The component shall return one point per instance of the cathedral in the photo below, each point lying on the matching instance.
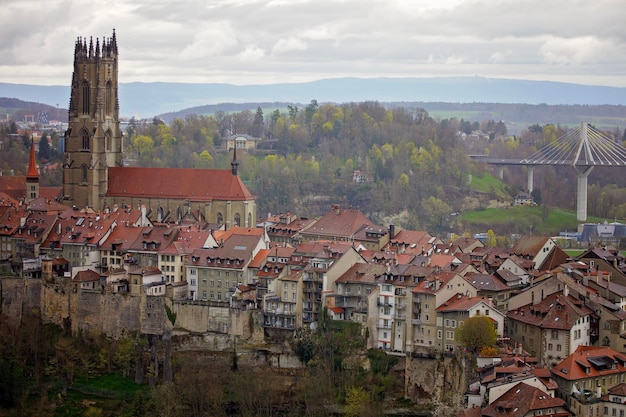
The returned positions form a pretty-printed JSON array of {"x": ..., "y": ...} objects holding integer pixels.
[{"x": 95, "y": 178}]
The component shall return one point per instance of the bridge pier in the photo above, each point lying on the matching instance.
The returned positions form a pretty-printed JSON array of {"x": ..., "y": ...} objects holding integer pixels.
[
  {"x": 531, "y": 176},
  {"x": 501, "y": 171},
  {"x": 581, "y": 195}
]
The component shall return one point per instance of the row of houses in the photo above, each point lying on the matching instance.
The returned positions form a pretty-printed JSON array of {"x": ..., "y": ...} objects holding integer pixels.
[{"x": 409, "y": 289}]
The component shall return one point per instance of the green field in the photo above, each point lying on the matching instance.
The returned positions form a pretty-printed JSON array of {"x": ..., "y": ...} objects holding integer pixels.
[
  {"x": 487, "y": 183},
  {"x": 522, "y": 220}
]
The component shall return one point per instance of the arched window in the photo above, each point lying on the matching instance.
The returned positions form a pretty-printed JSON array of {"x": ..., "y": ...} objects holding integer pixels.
[
  {"x": 85, "y": 94},
  {"x": 220, "y": 218},
  {"x": 107, "y": 140},
  {"x": 237, "y": 219},
  {"x": 606, "y": 341},
  {"x": 249, "y": 220},
  {"x": 179, "y": 214},
  {"x": 83, "y": 173},
  {"x": 108, "y": 98},
  {"x": 85, "y": 145}
]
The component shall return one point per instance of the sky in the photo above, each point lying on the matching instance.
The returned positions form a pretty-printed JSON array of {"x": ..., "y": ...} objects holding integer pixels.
[{"x": 248, "y": 42}]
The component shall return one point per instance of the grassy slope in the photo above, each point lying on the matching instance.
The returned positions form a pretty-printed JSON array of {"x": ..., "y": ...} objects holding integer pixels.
[{"x": 516, "y": 219}]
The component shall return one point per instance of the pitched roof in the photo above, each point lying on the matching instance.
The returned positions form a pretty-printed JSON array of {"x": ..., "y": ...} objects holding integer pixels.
[
  {"x": 521, "y": 400},
  {"x": 460, "y": 302},
  {"x": 529, "y": 245},
  {"x": 194, "y": 184},
  {"x": 556, "y": 311},
  {"x": 87, "y": 275},
  {"x": 339, "y": 222},
  {"x": 590, "y": 362}
]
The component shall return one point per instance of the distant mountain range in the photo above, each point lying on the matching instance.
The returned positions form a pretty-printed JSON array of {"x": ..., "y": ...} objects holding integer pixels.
[{"x": 145, "y": 100}]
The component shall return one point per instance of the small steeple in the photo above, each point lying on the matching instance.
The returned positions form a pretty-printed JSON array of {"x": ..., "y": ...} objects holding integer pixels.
[
  {"x": 32, "y": 173},
  {"x": 234, "y": 165}
]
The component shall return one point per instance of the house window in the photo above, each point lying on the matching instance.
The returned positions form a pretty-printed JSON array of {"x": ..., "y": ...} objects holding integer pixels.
[{"x": 554, "y": 334}]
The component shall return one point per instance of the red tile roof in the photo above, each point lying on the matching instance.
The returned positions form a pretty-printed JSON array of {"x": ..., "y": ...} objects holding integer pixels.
[
  {"x": 590, "y": 362},
  {"x": 339, "y": 223},
  {"x": 521, "y": 400},
  {"x": 194, "y": 184},
  {"x": 556, "y": 311}
]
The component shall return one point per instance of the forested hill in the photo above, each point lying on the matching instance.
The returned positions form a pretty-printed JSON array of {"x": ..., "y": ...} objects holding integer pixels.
[
  {"x": 145, "y": 100},
  {"x": 522, "y": 115}
]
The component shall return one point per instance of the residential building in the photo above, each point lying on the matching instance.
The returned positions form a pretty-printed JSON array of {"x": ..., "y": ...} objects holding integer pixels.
[
  {"x": 587, "y": 374},
  {"x": 552, "y": 328},
  {"x": 455, "y": 311},
  {"x": 347, "y": 225},
  {"x": 427, "y": 296},
  {"x": 523, "y": 400}
]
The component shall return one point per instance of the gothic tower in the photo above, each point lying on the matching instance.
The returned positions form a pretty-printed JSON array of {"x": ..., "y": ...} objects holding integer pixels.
[{"x": 93, "y": 140}]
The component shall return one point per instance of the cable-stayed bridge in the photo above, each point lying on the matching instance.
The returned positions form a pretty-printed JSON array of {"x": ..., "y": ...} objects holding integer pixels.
[{"x": 582, "y": 148}]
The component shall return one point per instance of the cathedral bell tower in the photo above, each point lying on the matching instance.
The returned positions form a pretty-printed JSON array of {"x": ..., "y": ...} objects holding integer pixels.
[{"x": 93, "y": 140}]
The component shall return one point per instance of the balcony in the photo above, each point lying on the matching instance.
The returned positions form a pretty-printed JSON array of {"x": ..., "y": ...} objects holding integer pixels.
[
  {"x": 400, "y": 306},
  {"x": 383, "y": 326},
  {"x": 416, "y": 322},
  {"x": 400, "y": 316},
  {"x": 278, "y": 325}
]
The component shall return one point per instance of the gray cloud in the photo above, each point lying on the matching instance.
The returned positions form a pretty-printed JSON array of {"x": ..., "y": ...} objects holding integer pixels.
[{"x": 258, "y": 42}]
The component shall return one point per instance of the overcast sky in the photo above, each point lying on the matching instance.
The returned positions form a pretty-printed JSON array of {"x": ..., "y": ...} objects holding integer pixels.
[{"x": 270, "y": 41}]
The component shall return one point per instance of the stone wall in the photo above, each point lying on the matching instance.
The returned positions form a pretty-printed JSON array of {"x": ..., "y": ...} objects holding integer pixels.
[
  {"x": 118, "y": 315},
  {"x": 438, "y": 379}
]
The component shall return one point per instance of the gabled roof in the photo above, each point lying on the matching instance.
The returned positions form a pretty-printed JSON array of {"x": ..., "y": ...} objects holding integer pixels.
[
  {"x": 557, "y": 257},
  {"x": 529, "y": 245},
  {"x": 342, "y": 223},
  {"x": 619, "y": 390},
  {"x": 461, "y": 302},
  {"x": 521, "y": 400},
  {"x": 362, "y": 273},
  {"x": 194, "y": 184},
  {"x": 556, "y": 311},
  {"x": 589, "y": 362},
  {"x": 121, "y": 238},
  {"x": 466, "y": 244},
  {"x": 86, "y": 276},
  {"x": 486, "y": 282}
]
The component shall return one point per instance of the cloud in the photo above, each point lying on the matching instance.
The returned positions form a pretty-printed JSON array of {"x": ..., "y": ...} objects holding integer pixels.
[{"x": 209, "y": 40}]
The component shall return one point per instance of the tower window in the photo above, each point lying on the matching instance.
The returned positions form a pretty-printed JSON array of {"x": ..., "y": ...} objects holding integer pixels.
[
  {"x": 107, "y": 140},
  {"x": 220, "y": 218},
  {"x": 108, "y": 105},
  {"x": 85, "y": 97},
  {"x": 85, "y": 140},
  {"x": 237, "y": 220},
  {"x": 83, "y": 172}
]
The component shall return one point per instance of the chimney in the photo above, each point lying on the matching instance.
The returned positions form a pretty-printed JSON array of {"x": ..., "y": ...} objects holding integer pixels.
[{"x": 392, "y": 231}]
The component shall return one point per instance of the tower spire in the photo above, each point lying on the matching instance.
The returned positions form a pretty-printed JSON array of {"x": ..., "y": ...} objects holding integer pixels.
[
  {"x": 32, "y": 163},
  {"x": 234, "y": 165}
]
